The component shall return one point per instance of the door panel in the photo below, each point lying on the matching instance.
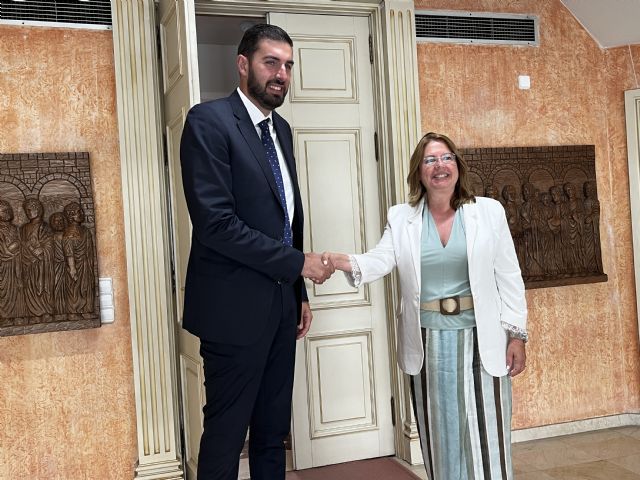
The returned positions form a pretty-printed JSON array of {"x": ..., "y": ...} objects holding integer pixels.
[
  {"x": 329, "y": 161},
  {"x": 342, "y": 389},
  {"x": 313, "y": 82},
  {"x": 337, "y": 403},
  {"x": 181, "y": 90}
]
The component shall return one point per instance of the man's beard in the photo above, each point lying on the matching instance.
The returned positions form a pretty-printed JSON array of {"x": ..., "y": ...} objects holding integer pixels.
[{"x": 266, "y": 100}]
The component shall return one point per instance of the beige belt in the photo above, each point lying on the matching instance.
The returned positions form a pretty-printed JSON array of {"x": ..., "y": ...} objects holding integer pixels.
[{"x": 448, "y": 306}]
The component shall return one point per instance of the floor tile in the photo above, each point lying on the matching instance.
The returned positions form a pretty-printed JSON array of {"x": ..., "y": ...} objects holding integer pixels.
[
  {"x": 611, "y": 454},
  {"x": 592, "y": 437},
  {"x": 520, "y": 466},
  {"x": 600, "y": 470},
  {"x": 547, "y": 457},
  {"x": 632, "y": 431},
  {"x": 630, "y": 462},
  {"x": 620, "y": 446},
  {"x": 627, "y": 430},
  {"x": 530, "y": 445},
  {"x": 533, "y": 476}
]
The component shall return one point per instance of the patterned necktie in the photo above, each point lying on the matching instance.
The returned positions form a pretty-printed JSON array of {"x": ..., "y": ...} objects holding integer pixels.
[{"x": 272, "y": 157}]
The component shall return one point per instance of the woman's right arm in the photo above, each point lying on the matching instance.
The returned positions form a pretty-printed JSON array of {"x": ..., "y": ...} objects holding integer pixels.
[
  {"x": 369, "y": 266},
  {"x": 340, "y": 261}
]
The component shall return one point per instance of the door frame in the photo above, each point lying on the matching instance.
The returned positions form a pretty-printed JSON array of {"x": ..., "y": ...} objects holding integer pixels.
[
  {"x": 632, "y": 110},
  {"x": 148, "y": 249}
]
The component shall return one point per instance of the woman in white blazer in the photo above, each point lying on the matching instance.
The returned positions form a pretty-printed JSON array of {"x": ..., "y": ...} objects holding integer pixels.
[{"x": 462, "y": 314}]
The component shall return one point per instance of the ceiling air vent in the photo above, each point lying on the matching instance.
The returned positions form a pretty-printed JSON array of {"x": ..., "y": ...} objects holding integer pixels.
[
  {"x": 470, "y": 27},
  {"x": 86, "y": 13}
]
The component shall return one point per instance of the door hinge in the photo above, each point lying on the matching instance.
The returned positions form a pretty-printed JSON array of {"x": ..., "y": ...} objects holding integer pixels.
[
  {"x": 393, "y": 411},
  {"x": 167, "y": 177},
  {"x": 376, "y": 149},
  {"x": 173, "y": 276},
  {"x": 158, "y": 42},
  {"x": 183, "y": 449},
  {"x": 371, "y": 49},
  {"x": 165, "y": 153}
]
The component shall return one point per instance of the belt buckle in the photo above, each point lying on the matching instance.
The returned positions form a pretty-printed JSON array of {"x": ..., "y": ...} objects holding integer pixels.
[{"x": 450, "y": 305}]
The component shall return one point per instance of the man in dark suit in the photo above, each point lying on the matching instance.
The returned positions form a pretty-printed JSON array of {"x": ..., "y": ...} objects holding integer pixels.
[{"x": 244, "y": 290}]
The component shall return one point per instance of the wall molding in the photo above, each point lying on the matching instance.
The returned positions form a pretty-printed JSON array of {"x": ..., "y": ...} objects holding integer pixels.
[
  {"x": 147, "y": 242},
  {"x": 578, "y": 426},
  {"x": 632, "y": 109},
  {"x": 398, "y": 73}
]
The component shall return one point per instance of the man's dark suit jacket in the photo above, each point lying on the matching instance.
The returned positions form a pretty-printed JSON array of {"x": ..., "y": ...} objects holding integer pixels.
[{"x": 237, "y": 258}]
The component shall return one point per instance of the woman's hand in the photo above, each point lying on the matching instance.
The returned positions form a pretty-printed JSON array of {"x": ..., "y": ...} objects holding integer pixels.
[
  {"x": 516, "y": 356},
  {"x": 340, "y": 261}
]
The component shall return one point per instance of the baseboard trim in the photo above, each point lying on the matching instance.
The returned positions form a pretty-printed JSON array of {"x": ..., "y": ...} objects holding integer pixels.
[{"x": 578, "y": 426}]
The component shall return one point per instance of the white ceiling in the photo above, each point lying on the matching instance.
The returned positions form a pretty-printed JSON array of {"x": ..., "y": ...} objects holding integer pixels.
[{"x": 611, "y": 23}]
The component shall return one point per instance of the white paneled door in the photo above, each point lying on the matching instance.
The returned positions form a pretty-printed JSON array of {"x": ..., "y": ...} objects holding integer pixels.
[
  {"x": 342, "y": 387},
  {"x": 181, "y": 90}
]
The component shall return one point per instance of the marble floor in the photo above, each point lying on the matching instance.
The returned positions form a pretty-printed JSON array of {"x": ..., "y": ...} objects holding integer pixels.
[{"x": 611, "y": 454}]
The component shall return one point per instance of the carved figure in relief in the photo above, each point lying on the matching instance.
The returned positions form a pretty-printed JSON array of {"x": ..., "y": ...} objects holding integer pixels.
[
  {"x": 37, "y": 260},
  {"x": 10, "y": 271},
  {"x": 510, "y": 207},
  {"x": 530, "y": 242},
  {"x": 77, "y": 244},
  {"x": 492, "y": 192},
  {"x": 555, "y": 225},
  {"x": 511, "y": 211},
  {"x": 545, "y": 235},
  {"x": 58, "y": 223},
  {"x": 572, "y": 229},
  {"x": 591, "y": 237}
]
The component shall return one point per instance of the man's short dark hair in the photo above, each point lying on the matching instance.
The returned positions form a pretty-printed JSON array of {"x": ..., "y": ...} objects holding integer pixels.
[{"x": 261, "y": 31}]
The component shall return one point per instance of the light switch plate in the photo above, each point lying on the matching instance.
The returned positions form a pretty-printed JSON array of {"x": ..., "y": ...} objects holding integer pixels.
[{"x": 105, "y": 289}]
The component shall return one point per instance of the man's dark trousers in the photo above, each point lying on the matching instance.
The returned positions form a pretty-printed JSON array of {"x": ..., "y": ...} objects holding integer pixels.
[{"x": 250, "y": 385}]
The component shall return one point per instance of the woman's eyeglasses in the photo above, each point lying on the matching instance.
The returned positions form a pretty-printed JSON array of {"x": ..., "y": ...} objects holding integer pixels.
[{"x": 445, "y": 158}]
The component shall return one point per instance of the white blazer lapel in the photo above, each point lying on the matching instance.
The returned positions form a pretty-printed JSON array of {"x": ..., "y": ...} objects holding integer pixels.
[
  {"x": 414, "y": 234},
  {"x": 470, "y": 213}
]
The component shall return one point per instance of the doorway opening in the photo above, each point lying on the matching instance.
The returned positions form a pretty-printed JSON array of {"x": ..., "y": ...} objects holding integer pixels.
[
  {"x": 342, "y": 391},
  {"x": 218, "y": 38}
]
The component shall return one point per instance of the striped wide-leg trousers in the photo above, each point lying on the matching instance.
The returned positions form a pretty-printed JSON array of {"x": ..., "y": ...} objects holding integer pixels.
[{"x": 463, "y": 413}]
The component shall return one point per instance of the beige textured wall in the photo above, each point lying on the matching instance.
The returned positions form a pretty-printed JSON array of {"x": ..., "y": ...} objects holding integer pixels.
[
  {"x": 583, "y": 354},
  {"x": 634, "y": 52},
  {"x": 67, "y": 402}
]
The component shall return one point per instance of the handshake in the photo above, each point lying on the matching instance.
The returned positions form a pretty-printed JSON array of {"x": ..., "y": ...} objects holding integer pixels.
[{"x": 319, "y": 267}]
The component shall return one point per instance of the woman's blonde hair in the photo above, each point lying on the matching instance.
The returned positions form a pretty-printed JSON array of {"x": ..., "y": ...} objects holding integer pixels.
[{"x": 462, "y": 192}]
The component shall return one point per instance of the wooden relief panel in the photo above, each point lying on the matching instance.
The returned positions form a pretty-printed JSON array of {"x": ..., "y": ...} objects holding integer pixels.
[
  {"x": 551, "y": 202},
  {"x": 48, "y": 264}
]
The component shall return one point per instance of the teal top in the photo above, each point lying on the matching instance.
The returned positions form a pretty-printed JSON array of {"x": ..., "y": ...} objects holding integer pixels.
[{"x": 445, "y": 272}]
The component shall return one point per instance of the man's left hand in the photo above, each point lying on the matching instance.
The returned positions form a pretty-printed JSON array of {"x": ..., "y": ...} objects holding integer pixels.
[{"x": 305, "y": 320}]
